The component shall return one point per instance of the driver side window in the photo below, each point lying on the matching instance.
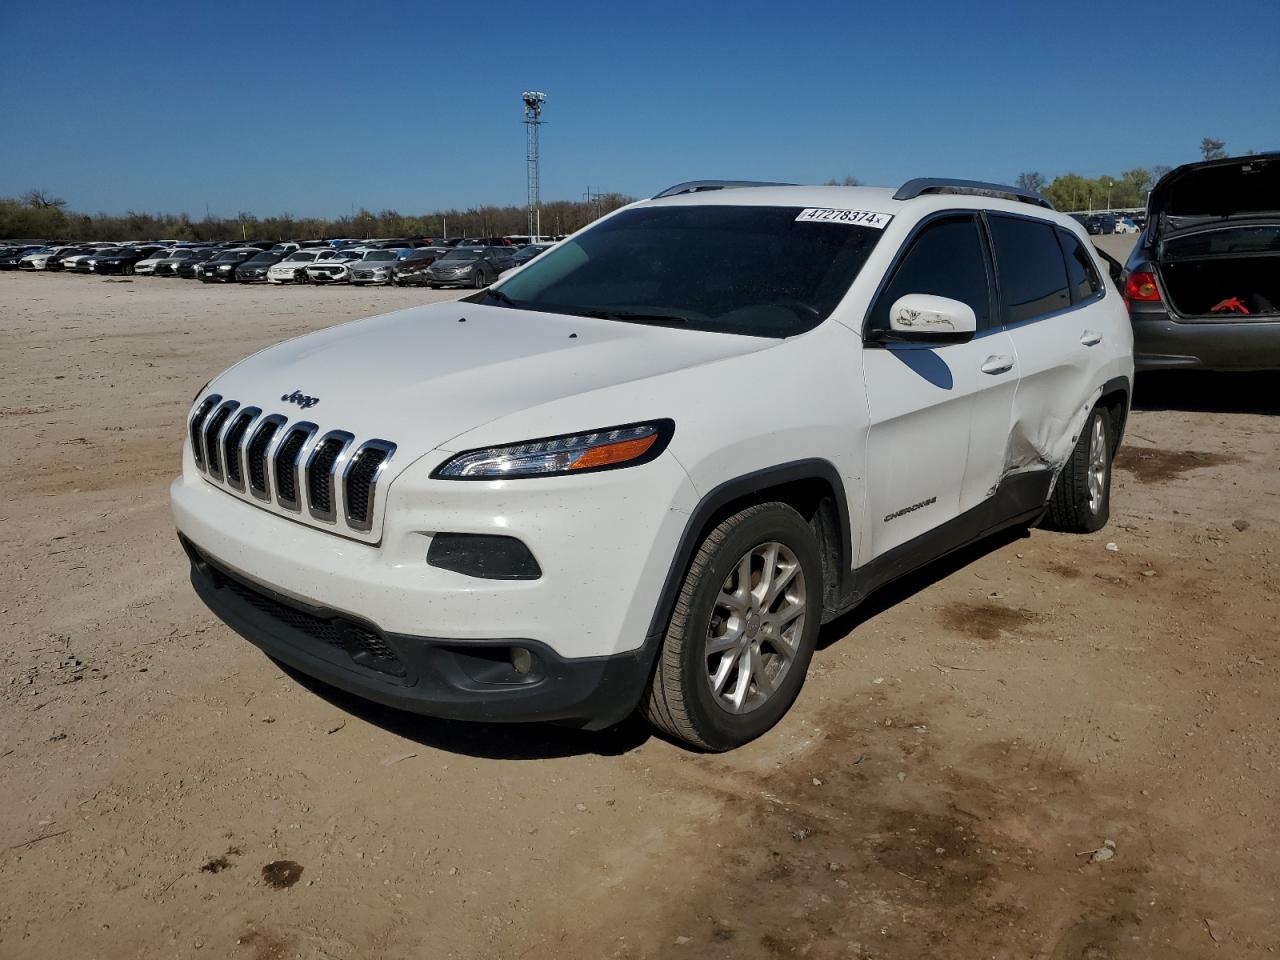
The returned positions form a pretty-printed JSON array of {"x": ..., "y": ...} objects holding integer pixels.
[{"x": 947, "y": 259}]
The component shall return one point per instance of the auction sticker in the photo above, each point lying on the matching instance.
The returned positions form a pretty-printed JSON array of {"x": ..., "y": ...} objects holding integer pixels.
[{"x": 854, "y": 218}]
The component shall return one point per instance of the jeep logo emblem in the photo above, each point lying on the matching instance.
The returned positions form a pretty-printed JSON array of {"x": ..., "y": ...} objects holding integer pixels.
[{"x": 301, "y": 399}]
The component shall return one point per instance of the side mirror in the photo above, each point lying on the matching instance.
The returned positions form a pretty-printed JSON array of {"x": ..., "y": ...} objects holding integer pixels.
[{"x": 925, "y": 318}]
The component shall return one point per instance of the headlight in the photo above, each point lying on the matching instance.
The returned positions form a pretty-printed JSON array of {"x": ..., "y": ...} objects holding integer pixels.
[{"x": 607, "y": 449}]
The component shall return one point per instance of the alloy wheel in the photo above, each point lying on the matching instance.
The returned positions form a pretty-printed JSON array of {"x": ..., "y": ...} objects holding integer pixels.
[
  {"x": 755, "y": 629},
  {"x": 1097, "y": 464}
]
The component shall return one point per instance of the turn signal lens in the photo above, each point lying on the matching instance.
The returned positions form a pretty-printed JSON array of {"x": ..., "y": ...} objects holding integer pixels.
[
  {"x": 1141, "y": 286},
  {"x": 612, "y": 453},
  {"x": 575, "y": 453}
]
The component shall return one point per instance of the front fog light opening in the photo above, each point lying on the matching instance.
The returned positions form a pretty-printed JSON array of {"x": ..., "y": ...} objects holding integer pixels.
[
  {"x": 521, "y": 660},
  {"x": 485, "y": 556}
]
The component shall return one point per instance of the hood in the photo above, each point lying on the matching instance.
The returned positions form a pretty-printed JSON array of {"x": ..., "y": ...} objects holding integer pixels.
[
  {"x": 420, "y": 377},
  {"x": 1199, "y": 193}
]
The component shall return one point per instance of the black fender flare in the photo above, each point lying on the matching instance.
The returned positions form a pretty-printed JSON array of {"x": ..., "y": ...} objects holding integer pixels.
[{"x": 740, "y": 488}]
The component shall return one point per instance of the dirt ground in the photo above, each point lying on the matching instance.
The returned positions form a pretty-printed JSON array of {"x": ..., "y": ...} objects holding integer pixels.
[{"x": 961, "y": 745}]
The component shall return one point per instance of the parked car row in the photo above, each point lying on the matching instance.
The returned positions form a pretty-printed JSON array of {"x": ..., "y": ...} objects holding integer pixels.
[
  {"x": 473, "y": 262},
  {"x": 1097, "y": 224}
]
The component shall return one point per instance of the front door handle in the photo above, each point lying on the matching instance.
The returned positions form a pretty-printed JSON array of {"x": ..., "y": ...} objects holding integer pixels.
[
  {"x": 1091, "y": 338},
  {"x": 997, "y": 364}
]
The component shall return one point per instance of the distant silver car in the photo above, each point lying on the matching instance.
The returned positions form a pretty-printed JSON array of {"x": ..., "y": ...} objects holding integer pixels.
[{"x": 374, "y": 267}]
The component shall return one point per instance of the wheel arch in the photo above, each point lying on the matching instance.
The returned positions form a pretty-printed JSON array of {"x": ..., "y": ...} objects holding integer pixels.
[
  {"x": 1115, "y": 399},
  {"x": 812, "y": 487}
]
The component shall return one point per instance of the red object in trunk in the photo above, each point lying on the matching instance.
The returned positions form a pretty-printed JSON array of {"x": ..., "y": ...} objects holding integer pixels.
[{"x": 1230, "y": 305}]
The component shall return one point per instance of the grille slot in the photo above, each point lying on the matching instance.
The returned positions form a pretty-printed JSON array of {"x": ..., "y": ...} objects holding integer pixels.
[
  {"x": 212, "y": 430},
  {"x": 286, "y": 464},
  {"x": 256, "y": 454},
  {"x": 197, "y": 424},
  {"x": 360, "y": 481},
  {"x": 233, "y": 463},
  {"x": 321, "y": 468}
]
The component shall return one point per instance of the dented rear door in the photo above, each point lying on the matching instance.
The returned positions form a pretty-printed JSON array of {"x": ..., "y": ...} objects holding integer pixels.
[{"x": 1050, "y": 297}]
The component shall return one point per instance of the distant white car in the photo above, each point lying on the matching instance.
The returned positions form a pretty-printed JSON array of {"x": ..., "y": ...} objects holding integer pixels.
[
  {"x": 40, "y": 259},
  {"x": 335, "y": 269},
  {"x": 292, "y": 269},
  {"x": 76, "y": 264},
  {"x": 148, "y": 265},
  {"x": 1125, "y": 225}
]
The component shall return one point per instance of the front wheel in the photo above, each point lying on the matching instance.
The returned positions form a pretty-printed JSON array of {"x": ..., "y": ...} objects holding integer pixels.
[
  {"x": 479, "y": 281},
  {"x": 1081, "y": 501},
  {"x": 742, "y": 633},
  {"x": 127, "y": 269}
]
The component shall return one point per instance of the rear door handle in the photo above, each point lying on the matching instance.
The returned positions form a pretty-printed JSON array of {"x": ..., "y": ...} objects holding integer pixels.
[
  {"x": 1091, "y": 338},
  {"x": 997, "y": 365}
]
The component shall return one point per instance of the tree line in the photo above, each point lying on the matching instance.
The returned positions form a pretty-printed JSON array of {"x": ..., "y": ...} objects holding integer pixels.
[
  {"x": 1070, "y": 191},
  {"x": 39, "y": 214}
]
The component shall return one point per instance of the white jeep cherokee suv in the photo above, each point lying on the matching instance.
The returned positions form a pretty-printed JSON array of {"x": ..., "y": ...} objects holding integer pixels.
[{"x": 642, "y": 470}]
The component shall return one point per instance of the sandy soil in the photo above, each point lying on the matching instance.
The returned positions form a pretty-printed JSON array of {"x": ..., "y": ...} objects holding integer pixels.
[{"x": 961, "y": 744}]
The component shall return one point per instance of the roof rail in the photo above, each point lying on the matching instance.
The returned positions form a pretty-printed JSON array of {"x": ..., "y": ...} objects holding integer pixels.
[
  {"x": 914, "y": 188},
  {"x": 698, "y": 186}
]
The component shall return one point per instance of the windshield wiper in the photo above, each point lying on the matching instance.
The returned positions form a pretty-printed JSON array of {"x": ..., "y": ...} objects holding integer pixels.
[
  {"x": 500, "y": 297},
  {"x": 635, "y": 316}
]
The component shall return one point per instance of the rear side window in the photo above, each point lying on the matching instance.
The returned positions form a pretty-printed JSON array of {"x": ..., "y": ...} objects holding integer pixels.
[
  {"x": 946, "y": 259},
  {"x": 1081, "y": 274},
  {"x": 1033, "y": 277}
]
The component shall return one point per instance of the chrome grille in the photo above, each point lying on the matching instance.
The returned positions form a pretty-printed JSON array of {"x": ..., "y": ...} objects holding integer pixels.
[
  {"x": 197, "y": 425},
  {"x": 360, "y": 480},
  {"x": 256, "y": 455},
  {"x": 212, "y": 431},
  {"x": 232, "y": 454},
  {"x": 286, "y": 464},
  {"x": 321, "y": 467}
]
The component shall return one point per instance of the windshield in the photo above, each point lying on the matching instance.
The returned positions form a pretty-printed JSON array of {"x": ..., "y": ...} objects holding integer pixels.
[
  {"x": 380, "y": 255},
  {"x": 471, "y": 253},
  {"x": 263, "y": 258},
  {"x": 759, "y": 271},
  {"x": 300, "y": 257}
]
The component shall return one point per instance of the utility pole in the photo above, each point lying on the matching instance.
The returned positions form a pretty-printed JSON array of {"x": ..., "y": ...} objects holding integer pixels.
[{"x": 533, "y": 100}]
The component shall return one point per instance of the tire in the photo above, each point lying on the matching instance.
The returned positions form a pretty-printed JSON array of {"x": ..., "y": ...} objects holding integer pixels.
[
  {"x": 127, "y": 269},
  {"x": 478, "y": 282},
  {"x": 682, "y": 699},
  {"x": 1081, "y": 501}
]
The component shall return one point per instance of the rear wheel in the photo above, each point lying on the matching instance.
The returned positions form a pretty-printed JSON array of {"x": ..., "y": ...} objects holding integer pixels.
[
  {"x": 1081, "y": 501},
  {"x": 742, "y": 633}
]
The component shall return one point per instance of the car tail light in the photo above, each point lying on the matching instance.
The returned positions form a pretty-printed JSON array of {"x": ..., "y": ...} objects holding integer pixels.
[{"x": 1141, "y": 286}]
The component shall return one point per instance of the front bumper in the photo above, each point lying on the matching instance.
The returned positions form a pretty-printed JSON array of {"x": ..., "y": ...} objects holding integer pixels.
[
  {"x": 440, "y": 678},
  {"x": 1162, "y": 343},
  {"x": 604, "y": 542}
]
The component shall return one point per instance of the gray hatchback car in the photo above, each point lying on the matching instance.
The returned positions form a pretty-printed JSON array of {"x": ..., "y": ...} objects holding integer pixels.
[{"x": 1203, "y": 282}]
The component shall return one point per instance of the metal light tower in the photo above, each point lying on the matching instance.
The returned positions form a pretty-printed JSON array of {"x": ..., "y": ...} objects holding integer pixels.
[{"x": 533, "y": 100}]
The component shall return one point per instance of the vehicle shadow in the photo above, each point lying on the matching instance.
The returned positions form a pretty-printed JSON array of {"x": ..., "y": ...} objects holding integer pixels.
[
  {"x": 903, "y": 588},
  {"x": 1199, "y": 391},
  {"x": 490, "y": 741}
]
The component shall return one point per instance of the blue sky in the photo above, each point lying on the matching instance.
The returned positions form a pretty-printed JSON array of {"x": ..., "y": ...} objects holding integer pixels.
[{"x": 310, "y": 107}]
